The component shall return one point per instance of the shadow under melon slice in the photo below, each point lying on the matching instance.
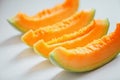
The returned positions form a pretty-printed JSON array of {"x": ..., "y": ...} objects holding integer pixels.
[
  {"x": 66, "y": 26},
  {"x": 99, "y": 28},
  {"x": 24, "y": 22},
  {"x": 91, "y": 56}
]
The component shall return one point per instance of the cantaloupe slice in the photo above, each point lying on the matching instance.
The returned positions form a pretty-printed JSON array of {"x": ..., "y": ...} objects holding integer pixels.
[
  {"x": 99, "y": 28},
  {"x": 66, "y": 26},
  {"x": 46, "y": 17},
  {"x": 95, "y": 54}
]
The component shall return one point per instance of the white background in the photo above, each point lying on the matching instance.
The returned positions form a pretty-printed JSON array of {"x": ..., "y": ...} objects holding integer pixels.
[{"x": 19, "y": 62}]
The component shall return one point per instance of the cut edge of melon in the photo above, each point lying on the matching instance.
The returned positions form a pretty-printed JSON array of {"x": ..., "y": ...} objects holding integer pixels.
[{"x": 12, "y": 22}]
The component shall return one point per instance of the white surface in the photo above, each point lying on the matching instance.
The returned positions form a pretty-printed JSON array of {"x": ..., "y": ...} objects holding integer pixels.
[{"x": 19, "y": 62}]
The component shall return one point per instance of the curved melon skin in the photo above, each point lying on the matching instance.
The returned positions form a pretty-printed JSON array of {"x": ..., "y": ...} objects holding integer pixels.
[
  {"x": 90, "y": 57},
  {"x": 66, "y": 26},
  {"x": 23, "y": 22},
  {"x": 98, "y": 29}
]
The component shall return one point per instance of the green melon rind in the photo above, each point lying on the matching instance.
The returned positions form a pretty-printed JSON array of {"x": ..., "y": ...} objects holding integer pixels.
[
  {"x": 55, "y": 61},
  {"x": 12, "y": 22}
]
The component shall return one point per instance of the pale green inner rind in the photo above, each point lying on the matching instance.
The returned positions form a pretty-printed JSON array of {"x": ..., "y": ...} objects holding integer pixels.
[
  {"x": 92, "y": 17},
  {"x": 15, "y": 25},
  {"x": 107, "y": 23},
  {"x": 56, "y": 61},
  {"x": 93, "y": 13}
]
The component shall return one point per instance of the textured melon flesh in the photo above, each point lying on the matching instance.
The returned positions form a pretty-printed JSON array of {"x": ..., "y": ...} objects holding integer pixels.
[
  {"x": 46, "y": 17},
  {"x": 65, "y": 37},
  {"x": 89, "y": 57},
  {"x": 99, "y": 28},
  {"x": 66, "y": 26}
]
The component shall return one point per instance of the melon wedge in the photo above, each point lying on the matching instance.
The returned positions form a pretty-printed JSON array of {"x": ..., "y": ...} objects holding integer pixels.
[
  {"x": 98, "y": 29},
  {"x": 87, "y": 58},
  {"x": 66, "y": 26},
  {"x": 23, "y": 22}
]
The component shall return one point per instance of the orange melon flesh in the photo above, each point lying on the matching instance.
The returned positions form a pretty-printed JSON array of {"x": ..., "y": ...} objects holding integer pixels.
[
  {"x": 66, "y": 26},
  {"x": 46, "y": 17},
  {"x": 98, "y": 29},
  {"x": 92, "y": 56},
  {"x": 65, "y": 37}
]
